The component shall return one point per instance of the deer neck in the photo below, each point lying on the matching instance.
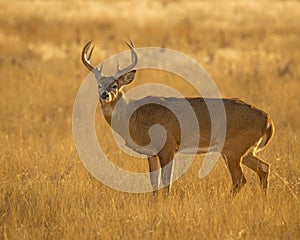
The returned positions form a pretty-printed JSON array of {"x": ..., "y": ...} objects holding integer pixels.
[{"x": 108, "y": 108}]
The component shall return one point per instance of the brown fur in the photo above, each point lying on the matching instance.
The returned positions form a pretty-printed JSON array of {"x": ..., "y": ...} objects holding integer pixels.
[{"x": 248, "y": 129}]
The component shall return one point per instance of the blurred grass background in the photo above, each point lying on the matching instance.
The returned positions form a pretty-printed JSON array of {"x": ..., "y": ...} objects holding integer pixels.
[{"x": 251, "y": 50}]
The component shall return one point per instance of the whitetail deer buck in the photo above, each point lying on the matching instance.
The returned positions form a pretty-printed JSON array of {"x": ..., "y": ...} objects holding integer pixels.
[{"x": 248, "y": 129}]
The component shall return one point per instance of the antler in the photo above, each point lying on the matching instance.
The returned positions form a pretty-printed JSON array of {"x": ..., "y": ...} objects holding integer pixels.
[
  {"x": 86, "y": 59},
  {"x": 134, "y": 60}
]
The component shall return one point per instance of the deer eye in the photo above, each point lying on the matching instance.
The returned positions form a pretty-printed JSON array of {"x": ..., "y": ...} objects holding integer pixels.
[{"x": 115, "y": 86}]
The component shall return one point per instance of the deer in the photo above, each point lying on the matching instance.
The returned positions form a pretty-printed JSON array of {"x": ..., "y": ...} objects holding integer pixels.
[{"x": 248, "y": 129}]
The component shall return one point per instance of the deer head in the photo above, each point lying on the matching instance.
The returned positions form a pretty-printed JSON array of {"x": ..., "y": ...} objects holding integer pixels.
[{"x": 110, "y": 86}]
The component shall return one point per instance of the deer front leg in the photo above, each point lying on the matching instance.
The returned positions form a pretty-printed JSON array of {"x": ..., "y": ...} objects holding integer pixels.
[
  {"x": 166, "y": 162},
  {"x": 154, "y": 168}
]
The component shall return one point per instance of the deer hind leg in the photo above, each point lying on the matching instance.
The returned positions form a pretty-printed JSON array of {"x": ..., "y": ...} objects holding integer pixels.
[
  {"x": 235, "y": 170},
  {"x": 259, "y": 166},
  {"x": 166, "y": 162},
  {"x": 154, "y": 168}
]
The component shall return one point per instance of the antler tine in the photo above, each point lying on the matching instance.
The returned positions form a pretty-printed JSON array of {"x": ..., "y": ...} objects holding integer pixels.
[
  {"x": 130, "y": 42},
  {"x": 118, "y": 65},
  {"x": 100, "y": 69},
  {"x": 84, "y": 58},
  {"x": 134, "y": 60},
  {"x": 91, "y": 52}
]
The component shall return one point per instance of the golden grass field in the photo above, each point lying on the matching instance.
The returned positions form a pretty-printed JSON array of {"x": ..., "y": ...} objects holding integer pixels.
[{"x": 251, "y": 49}]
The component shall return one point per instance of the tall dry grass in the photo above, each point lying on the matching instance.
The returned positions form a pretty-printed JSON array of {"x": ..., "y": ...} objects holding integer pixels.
[{"x": 250, "y": 48}]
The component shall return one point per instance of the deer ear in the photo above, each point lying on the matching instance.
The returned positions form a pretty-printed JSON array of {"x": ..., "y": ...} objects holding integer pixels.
[{"x": 126, "y": 78}]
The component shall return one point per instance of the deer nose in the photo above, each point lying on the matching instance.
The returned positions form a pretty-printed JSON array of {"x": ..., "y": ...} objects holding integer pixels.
[{"x": 104, "y": 94}]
